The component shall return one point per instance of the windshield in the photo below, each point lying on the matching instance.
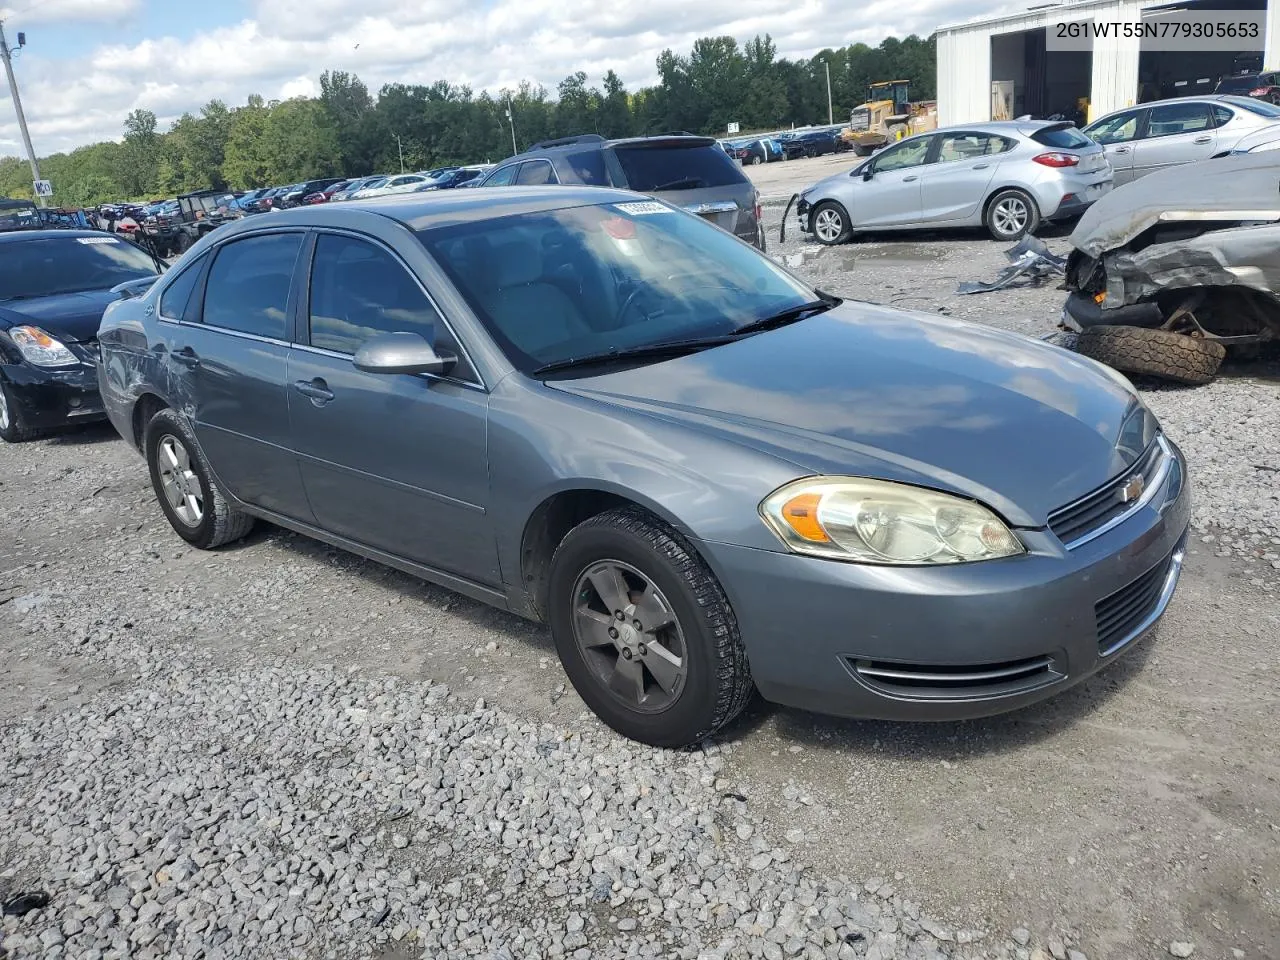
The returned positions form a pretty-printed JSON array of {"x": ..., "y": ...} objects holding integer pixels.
[
  {"x": 1260, "y": 107},
  {"x": 559, "y": 284},
  {"x": 47, "y": 267},
  {"x": 652, "y": 168}
]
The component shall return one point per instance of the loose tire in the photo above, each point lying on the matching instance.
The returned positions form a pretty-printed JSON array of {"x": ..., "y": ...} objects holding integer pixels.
[
  {"x": 670, "y": 682},
  {"x": 1159, "y": 353},
  {"x": 1011, "y": 215},
  {"x": 830, "y": 223},
  {"x": 182, "y": 243},
  {"x": 191, "y": 501},
  {"x": 12, "y": 429}
]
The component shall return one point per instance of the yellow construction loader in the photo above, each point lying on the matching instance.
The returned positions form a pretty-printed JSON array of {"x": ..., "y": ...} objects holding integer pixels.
[{"x": 888, "y": 115}]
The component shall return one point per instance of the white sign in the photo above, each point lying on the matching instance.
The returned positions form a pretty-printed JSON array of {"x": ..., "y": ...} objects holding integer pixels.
[
  {"x": 734, "y": 128},
  {"x": 43, "y": 188},
  {"x": 92, "y": 241},
  {"x": 643, "y": 208}
]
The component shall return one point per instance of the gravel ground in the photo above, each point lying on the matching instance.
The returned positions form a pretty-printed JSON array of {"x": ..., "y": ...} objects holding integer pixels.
[{"x": 278, "y": 750}]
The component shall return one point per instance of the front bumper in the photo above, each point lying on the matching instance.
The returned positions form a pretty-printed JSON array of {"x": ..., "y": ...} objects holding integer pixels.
[
  {"x": 55, "y": 396},
  {"x": 949, "y": 643}
]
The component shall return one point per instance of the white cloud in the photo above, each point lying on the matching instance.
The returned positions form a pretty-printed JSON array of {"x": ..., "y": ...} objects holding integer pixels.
[
  {"x": 78, "y": 11},
  {"x": 281, "y": 50}
]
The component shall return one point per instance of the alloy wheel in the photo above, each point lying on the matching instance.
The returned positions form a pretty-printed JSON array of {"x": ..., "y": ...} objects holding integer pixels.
[
  {"x": 4, "y": 410},
  {"x": 828, "y": 225},
  {"x": 180, "y": 484},
  {"x": 629, "y": 636},
  {"x": 1010, "y": 215}
]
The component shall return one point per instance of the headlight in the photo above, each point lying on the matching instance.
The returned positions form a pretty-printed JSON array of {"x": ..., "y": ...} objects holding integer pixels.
[
  {"x": 39, "y": 348},
  {"x": 881, "y": 522}
]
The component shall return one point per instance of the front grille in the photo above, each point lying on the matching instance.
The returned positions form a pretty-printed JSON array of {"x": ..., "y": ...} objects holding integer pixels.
[
  {"x": 1122, "y": 613},
  {"x": 1077, "y": 521},
  {"x": 951, "y": 682}
]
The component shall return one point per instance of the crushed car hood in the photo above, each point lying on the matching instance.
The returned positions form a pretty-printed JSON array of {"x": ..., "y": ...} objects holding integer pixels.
[
  {"x": 1236, "y": 188},
  {"x": 1018, "y": 424},
  {"x": 66, "y": 316}
]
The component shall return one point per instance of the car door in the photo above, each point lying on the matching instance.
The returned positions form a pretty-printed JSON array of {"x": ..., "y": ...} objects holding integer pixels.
[
  {"x": 1116, "y": 135},
  {"x": 891, "y": 195},
  {"x": 1175, "y": 133},
  {"x": 953, "y": 185},
  {"x": 394, "y": 462},
  {"x": 226, "y": 362}
]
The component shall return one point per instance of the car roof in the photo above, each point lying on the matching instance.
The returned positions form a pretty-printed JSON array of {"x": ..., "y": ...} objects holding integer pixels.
[
  {"x": 16, "y": 236},
  {"x": 425, "y": 211}
]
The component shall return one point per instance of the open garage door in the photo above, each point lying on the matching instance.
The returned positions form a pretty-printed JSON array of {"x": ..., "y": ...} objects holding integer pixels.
[
  {"x": 1044, "y": 82},
  {"x": 1186, "y": 73}
]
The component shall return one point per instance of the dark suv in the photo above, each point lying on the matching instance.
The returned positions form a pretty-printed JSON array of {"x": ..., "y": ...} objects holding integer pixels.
[
  {"x": 686, "y": 171},
  {"x": 1261, "y": 86}
]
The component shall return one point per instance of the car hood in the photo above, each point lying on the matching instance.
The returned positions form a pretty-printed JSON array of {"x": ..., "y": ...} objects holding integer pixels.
[
  {"x": 1018, "y": 424},
  {"x": 1244, "y": 187},
  {"x": 65, "y": 316}
]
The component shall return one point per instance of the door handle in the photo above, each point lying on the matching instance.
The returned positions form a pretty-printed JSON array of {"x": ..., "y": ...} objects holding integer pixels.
[
  {"x": 1120, "y": 150},
  {"x": 909, "y": 179},
  {"x": 1203, "y": 140},
  {"x": 317, "y": 391},
  {"x": 187, "y": 357},
  {"x": 981, "y": 166}
]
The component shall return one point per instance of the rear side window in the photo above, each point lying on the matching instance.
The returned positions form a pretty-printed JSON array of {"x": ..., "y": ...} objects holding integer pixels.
[
  {"x": 359, "y": 290},
  {"x": 1063, "y": 138},
  {"x": 502, "y": 178},
  {"x": 965, "y": 146},
  {"x": 1175, "y": 118},
  {"x": 535, "y": 173},
  {"x": 248, "y": 286},
  {"x": 587, "y": 167},
  {"x": 650, "y": 169},
  {"x": 1221, "y": 115},
  {"x": 173, "y": 302}
]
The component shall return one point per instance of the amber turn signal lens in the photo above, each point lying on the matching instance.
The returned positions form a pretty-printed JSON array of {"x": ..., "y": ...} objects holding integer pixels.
[{"x": 801, "y": 513}]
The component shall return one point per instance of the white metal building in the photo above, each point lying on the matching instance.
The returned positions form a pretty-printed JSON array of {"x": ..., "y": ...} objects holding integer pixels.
[{"x": 1009, "y": 51}]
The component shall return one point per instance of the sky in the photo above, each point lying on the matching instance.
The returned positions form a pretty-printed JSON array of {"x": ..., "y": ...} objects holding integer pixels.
[{"x": 88, "y": 63}]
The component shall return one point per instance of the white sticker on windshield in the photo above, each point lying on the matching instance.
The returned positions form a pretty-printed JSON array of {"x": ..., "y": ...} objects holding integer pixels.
[
  {"x": 96, "y": 240},
  {"x": 643, "y": 208}
]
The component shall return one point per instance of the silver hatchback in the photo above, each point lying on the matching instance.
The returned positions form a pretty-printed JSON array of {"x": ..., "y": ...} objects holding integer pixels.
[{"x": 1007, "y": 176}]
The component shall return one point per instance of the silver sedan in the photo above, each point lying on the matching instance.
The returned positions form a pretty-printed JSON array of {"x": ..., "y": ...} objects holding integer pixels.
[
  {"x": 1155, "y": 136},
  {"x": 1007, "y": 176}
]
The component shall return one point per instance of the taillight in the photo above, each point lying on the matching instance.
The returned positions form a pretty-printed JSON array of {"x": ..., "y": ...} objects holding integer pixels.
[
  {"x": 1258, "y": 92},
  {"x": 1057, "y": 159}
]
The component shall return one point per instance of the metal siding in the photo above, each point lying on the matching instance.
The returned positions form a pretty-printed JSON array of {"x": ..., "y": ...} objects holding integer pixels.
[{"x": 1271, "y": 56}]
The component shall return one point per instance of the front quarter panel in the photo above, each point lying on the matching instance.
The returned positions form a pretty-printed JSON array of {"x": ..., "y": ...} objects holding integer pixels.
[
  {"x": 128, "y": 368},
  {"x": 543, "y": 442}
]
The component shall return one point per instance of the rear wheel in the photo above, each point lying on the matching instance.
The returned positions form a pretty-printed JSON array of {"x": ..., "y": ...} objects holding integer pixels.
[
  {"x": 644, "y": 630},
  {"x": 830, "y": 223},
  {"x": 1011, "y": 215},
  {"x": 12, "y": 429},
  {"x": 182, "y": 243},
  {"x": 183, "y": 483},
  {"x": 1160, "y": 353}
]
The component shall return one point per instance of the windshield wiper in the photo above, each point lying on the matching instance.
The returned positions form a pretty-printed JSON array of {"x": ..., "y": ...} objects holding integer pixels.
[
  {"x": 671, "y": 348},
  {"x": 685, "y": 183},
  {"x": 790, "y": 315}
]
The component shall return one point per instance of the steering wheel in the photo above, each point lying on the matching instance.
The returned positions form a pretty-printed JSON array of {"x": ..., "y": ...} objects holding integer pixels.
[{"x": 704, "y": 284}]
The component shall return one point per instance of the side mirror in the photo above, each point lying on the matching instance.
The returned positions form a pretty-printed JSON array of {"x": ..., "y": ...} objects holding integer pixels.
[
  {"x": 401, "y": 353},
  {"x": 868, "y": 172}
]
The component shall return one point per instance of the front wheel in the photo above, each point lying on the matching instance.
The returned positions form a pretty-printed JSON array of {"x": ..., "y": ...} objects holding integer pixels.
[
  {"x": 830, "y": 223},
  {"x": 644, "y": 630},
  {"x": 1011, "y": 215},
  {"x": 12, "y": 429},
  {"x": 183, "y": 483}
]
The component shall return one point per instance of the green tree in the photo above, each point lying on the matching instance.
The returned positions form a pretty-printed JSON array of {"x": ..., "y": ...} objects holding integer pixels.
[{"x": 246, "y": 163}]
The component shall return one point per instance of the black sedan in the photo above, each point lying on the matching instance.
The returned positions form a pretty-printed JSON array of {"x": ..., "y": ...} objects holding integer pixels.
[{"x": 54, "y": 285}]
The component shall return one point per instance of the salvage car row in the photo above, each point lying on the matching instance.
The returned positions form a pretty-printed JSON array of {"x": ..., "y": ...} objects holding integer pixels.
[{"x": 605, "y": 413}]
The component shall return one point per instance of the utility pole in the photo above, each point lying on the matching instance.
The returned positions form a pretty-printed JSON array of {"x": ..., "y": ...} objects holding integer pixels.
[
  {"x": 830, "y": 116},
  {"x": 17, "y": 106},
  {"x": 400, "y": 150},
  {"x": 512, "y": 120}
]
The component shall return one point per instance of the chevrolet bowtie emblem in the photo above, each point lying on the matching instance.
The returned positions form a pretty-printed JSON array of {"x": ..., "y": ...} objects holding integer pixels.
[{"x": 1132, "y": 488}]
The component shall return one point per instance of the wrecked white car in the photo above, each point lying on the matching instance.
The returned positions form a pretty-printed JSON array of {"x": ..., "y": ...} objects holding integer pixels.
[{"x": 1170, "y": 271}]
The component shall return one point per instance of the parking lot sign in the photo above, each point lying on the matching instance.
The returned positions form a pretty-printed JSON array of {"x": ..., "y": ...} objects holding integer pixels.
[
  {"x": 734, "y": 128},
  {"x": 43, "y": 188}
]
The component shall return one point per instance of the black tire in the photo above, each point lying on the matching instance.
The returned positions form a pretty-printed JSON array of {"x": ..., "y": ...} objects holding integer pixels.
[
  {"x": 1001, "y": 211},
  {"x": 1066, "y": 339},
  {"x": 718, "y": 682},
  {"x": 220, "y": 522},
  {"x": 12, "y": 427},
  {"x": 839, "y": 219},
  {"x": 182, "y": 243},
  {"x": 1159, "y": 353}
]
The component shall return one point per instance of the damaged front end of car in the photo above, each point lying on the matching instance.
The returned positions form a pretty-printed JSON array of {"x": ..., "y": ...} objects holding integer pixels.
[{"x": 1166, "y": 287}]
